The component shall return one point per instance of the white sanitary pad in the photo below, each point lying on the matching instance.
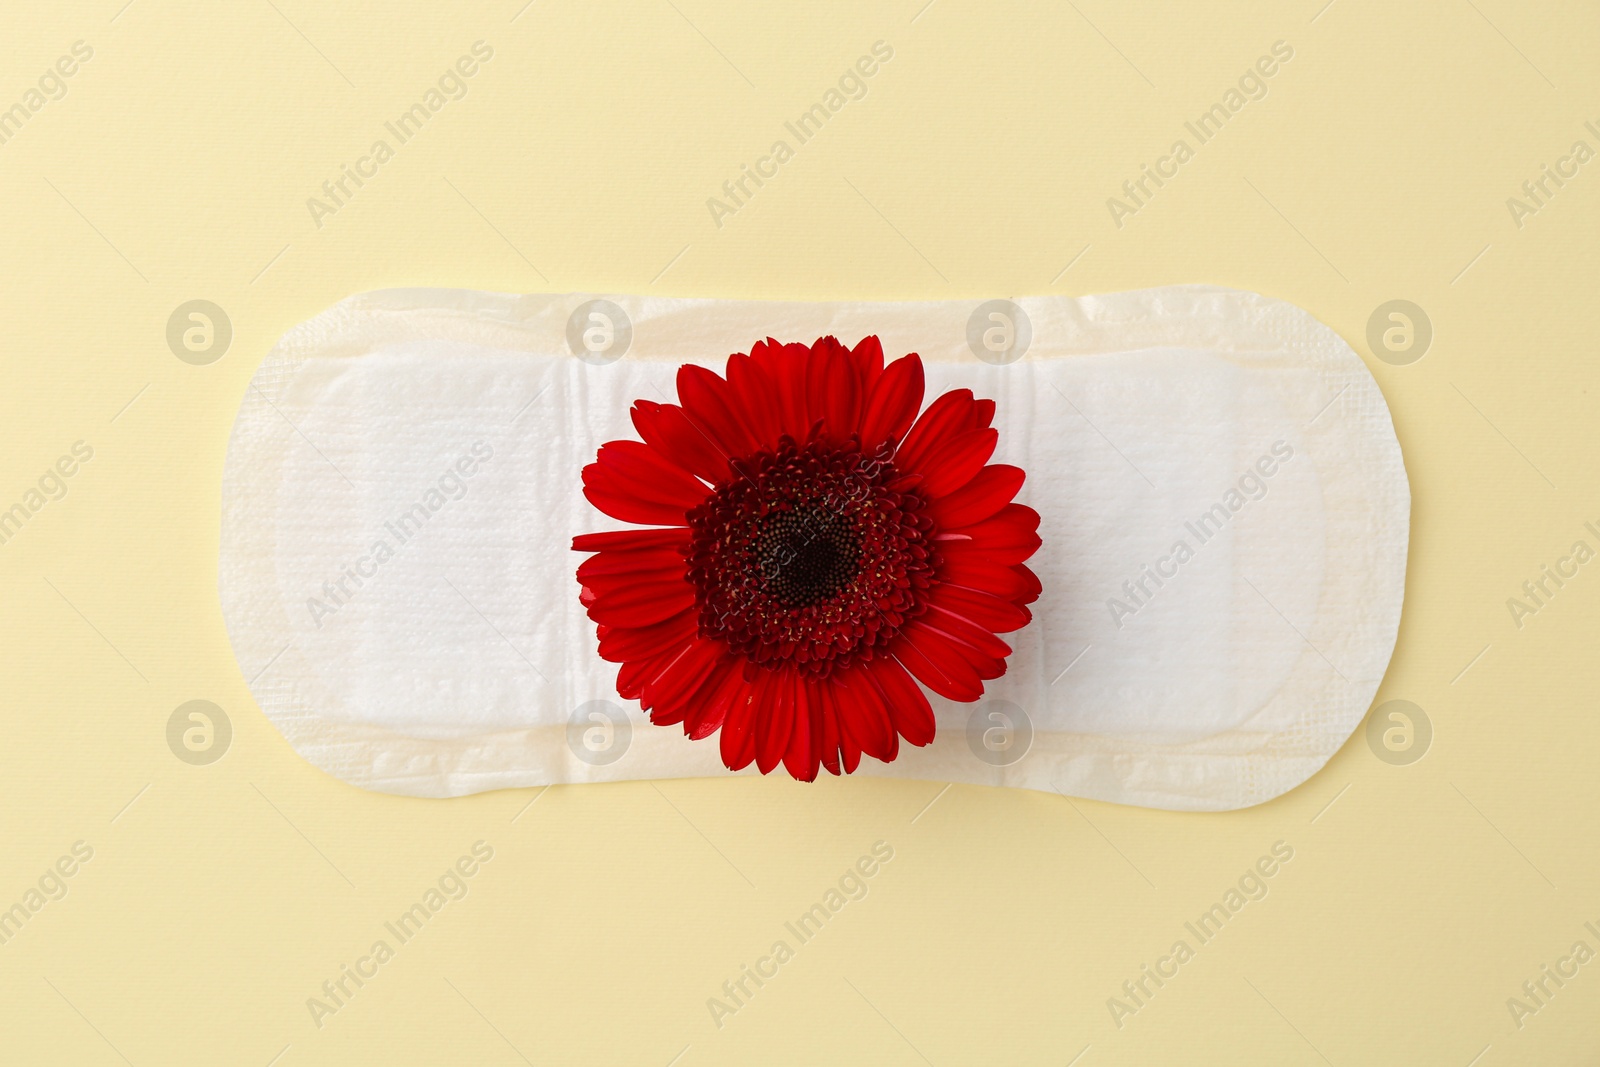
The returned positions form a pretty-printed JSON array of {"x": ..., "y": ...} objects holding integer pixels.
[{"x": 402, "y": 488}]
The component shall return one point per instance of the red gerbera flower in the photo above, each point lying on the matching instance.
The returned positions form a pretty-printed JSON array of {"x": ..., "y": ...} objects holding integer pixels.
[{"x": 816, "y": 554}]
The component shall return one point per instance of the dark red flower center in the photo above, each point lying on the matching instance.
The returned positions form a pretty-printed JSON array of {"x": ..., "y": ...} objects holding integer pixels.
[
  {"x": 813, "y": 555},
  {"x": 807, "y": 554}
]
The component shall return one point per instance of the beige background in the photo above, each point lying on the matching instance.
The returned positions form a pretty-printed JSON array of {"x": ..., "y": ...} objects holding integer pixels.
[{"x": 219, "y": 898}]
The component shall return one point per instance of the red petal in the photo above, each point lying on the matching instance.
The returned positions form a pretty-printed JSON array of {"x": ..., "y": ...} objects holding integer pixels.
[
  {"x": 738, "y": 741},
  {"x": 867, "y": 358},
  {"x": 675, "y": 685},
  {"x": 1031, "y": 584},
  {"x": 1007, "y": 537},
  {"x": 892, "y": 405},
  {"x": 785, "y": 366},
  {"x": 800, "y": 758},
  {"x": 938, "y": 663},
  {"x": 775, "y": 718},
  {"x": 970, "y": 571},
  {"x": 693, "y": 690},
  {"x": 623, "y": 643},
  {"x": 703, "y": 721},
  {"x": 642, "y": 604},
  {"x": 857, "y": 734},
  {"x": 629, "y": 508},
  {"x": 907, "y": 703},
  {"x": 848, "y": 747},
  {"x": 990, "y": 612},
  {"x": 709, "y": 403},
  {"x": 633, "y": 677},
  {"x": 757, "y": 398},
  {"x": 635, "y": 468},
  {"x": 991, "y": 489},
  {"x": 765, "y": 353},
  {"x": 985, "y": 652},
  {"x": 668, "y": 430},
  {"x": 829, "y": 732},
  {"x": 865, "y": 717},
  {"x": 831, "y": 388},
  {"x": 944, "y": 418},
  {"x": 957, "y": 461},
  {"x": 602, "y": 565},
  {"x": 676, "y": 537}
]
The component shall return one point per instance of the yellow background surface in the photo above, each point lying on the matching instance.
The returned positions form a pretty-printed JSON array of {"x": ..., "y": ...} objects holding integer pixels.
[{"x": 219, "y": 898}]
